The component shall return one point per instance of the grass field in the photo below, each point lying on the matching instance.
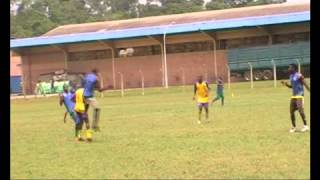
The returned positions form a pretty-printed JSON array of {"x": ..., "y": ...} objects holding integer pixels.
[{"x": 157, "y": 136}]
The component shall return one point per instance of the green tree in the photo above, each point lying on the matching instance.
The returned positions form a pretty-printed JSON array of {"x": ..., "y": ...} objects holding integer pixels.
[
  {"x": 34, "y": 25},
  {"x": 36, "y": 17},
  {"x": 217, "y": 4},
  {"x": 181, "y": 6}
]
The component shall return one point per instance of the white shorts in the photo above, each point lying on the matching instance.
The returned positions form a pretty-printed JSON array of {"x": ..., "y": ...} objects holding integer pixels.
[{"x": 92, "y": 102}]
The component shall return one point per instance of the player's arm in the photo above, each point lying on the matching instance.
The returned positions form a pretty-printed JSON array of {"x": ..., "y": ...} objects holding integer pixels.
[
  {"x": 208, "y": 86},
  {"x": 304, "y": 83},
  {"x": 99, "y": 88},
  {"x": 286, "y": 84},
  {"x": 61, "y": 100}
]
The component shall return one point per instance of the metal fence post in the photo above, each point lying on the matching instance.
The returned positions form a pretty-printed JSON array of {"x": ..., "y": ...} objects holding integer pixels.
[
  {"x": 251, "y": 74},
  {"x": 142, "y": 81},
  {"x": 228, "y": 68},
  {"x": 274, "y": 73},
  {"x": 299, "y": 66},
  {"x": 183, "y": 79},
  {"x": 122, "y": 88}
]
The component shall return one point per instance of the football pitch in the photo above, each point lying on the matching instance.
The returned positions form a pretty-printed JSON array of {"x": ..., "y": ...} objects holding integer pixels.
[{"x": 157, "y": 136}]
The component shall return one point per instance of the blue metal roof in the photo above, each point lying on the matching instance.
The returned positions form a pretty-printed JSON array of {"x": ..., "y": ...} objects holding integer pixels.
[{"x": 159, "y": 30}]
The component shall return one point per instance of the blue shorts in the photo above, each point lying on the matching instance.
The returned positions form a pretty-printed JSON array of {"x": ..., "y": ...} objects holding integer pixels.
[
  {"x": 205, "y": 105},
  {"x": 82, "y": 117}
]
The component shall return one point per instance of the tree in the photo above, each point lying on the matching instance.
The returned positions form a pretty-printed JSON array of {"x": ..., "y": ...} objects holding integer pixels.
[
  {"x": 36, "y": 24},
  {"x": 224, "y": 4},
  {"x": 36, "y": 17},
  {"x": 181, "y": 6},
  {"x": 217, "y": 4},
  {"x": 149, "y": 10}
]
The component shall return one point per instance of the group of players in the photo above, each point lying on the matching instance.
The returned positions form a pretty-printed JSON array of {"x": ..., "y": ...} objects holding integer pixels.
[
  {"x": 78, "y": 99},
  {"x": 297, "y": 84}
]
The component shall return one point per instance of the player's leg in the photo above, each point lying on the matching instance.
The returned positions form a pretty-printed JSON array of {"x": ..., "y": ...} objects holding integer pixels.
[
  {"x": 292, "y": 115},
  {"x": 86, "y": 106},
  {"x": 207, "y": 110},
  {"x": 96, "y": 114},
  {"x": 87, "y": 124},
  {"x": 302, "y": 114},
  {"x": 200, "y": 112},
  {"x": 215, "y": 99},
  {"x": 222, "y": 99},
  {"x": 79, "y": 124},
  {"x": 76, "y": 120},
  {"x": 65, "y": 116},
  {"x": 74, "y": 116}
]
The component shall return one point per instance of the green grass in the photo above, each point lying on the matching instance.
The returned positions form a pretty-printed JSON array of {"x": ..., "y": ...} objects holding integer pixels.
[{"x": 156, "y": 136}]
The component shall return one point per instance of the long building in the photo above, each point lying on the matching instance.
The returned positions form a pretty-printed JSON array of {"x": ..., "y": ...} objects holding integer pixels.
[{"x": 168, "y": 49}]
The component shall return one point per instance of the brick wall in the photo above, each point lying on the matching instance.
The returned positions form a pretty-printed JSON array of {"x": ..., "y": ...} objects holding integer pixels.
[
  {"x": 36, "y": 64},
  {"x": 15, "y": 66},
  {"x": 194, "y": 64}
]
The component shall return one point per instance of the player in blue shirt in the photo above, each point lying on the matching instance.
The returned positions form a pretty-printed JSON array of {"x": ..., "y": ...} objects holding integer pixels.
[
  {"x": 296, "y": 84},
  {"x": 67, "y": 98},
  {"x": 90, "y": 83}
]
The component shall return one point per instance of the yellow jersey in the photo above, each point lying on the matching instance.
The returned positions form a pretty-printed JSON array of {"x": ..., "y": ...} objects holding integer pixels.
[
  {"x": 80, "y": 104},
  {"x": 202, "y": 92}
]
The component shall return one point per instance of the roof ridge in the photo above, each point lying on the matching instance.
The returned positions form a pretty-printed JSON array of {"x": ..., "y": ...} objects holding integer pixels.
[{"x": 165, "y": 19}]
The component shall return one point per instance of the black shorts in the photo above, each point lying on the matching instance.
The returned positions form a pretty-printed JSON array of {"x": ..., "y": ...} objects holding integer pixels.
[{"x": 296, "y": 104}]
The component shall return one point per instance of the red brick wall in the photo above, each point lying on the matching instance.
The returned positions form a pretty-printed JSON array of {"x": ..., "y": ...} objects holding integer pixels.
[
  {"x": 15, "y": 66},
  {"x": 194, "y": 64},
  {"x": 36, "y": 64},
  {"x": 151, "y": 68}
]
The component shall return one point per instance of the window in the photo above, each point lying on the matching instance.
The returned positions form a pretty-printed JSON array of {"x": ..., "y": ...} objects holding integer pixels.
[
  {"x": 89, "y": 55},
  {"x": 190, "y": 47},
  {"x": 171, "y": 49},
  {"x": 290, "y": 38},
  {"x": 139, "y": 51},
  {"x": 246, "y": 42}
]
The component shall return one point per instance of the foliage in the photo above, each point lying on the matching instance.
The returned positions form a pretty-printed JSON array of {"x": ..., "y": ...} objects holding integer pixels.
[{"x": 36, "y": 17}]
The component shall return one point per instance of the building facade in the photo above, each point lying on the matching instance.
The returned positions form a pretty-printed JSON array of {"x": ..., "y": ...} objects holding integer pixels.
[{"x": 169, "y": 58}]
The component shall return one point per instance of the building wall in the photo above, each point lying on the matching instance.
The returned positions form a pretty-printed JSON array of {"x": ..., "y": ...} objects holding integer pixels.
[
  {"x": 194, "y": 64},
  {"x": 48, "y": 59},
  {"x": 35, "y": 64},
  {"x": 15, "y": 66}
]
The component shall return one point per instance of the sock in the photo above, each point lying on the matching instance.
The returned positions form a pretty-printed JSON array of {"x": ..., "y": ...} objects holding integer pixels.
[
  {"x": 96, "y": 117},
  {"x": 303, "y": 116}
]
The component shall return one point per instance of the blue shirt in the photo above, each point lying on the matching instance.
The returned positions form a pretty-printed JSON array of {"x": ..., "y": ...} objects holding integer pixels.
[
  {"x": 90, "y": 82},
  {"x": 67, "y": 100},
  {"x": 296, "y": 83}
]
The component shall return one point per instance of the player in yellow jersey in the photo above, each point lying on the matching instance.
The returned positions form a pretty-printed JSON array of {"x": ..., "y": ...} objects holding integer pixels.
[
  {"x": 201, "y": 92},
  {"x": 82, "y": 114}
]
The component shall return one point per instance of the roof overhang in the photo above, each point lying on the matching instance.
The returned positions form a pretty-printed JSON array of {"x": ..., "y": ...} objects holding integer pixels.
[{"x": 217, "y": 25}]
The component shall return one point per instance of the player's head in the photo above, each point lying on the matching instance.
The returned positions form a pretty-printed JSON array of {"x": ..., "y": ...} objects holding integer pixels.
[
  {"x": 292, "y": 68},
  {"x": 65, "y": 88},
  {"x": 220, "y": 78},
  {"x": 95, "y": 71},
  {"x": 200, "y": 79}
]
